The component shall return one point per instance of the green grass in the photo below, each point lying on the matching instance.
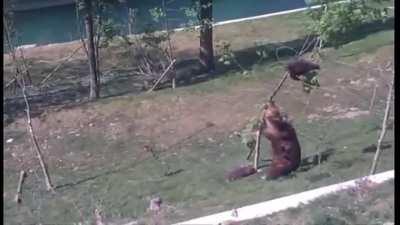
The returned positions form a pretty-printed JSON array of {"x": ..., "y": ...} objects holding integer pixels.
[
  {"x": 122, "y": 184},
  {"x": 343, "y": 208},
  {"x": 351, "y": 51}
]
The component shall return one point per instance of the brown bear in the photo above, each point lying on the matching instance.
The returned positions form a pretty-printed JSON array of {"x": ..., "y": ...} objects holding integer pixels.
[
  {"x": 286, "y": 152},
  {"x": 299, "y": 67}
]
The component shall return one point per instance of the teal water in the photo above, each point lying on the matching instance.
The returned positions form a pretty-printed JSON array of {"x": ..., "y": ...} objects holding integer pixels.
[{"x": 58, "y": 24}]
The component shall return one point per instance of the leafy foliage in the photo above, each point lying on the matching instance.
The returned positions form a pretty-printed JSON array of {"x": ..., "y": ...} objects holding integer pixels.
[
  {"x": 333, "y": 20},
  {"x": 228, "y": 57},
  {"x": 310, "y": 82}
]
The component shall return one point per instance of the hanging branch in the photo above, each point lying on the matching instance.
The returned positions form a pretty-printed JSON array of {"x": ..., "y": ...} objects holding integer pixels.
[{"x": 384, "y": 128}]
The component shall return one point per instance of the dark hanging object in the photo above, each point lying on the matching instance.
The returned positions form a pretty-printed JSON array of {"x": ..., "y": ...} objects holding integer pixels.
[{"x": 298, "y": 67}]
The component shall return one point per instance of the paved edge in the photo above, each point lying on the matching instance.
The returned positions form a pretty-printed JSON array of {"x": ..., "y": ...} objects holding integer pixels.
[{"x": 265, "y": 208}]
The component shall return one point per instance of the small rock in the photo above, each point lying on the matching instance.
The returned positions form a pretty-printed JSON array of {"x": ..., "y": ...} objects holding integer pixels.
[
  {"x": 355, "y": 82},
  {"x": 10, "y": 140},
  {"x": 91, "y": 124},
  {"x": 210, "y": 139},
  {"x": 388, "y": 223},
  {"x": 235, "y": 213},
  {"x": 155, "y": 204},
  {"x": 327, "y": 95},
  {"x": 312, "y": 116},
  {"x": 237, "y": 133},
  {"x": 329, "y": 109}
]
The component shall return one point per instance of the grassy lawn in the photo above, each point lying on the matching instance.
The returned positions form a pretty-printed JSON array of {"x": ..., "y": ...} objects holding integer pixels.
[{"x": 372, "y": 206}]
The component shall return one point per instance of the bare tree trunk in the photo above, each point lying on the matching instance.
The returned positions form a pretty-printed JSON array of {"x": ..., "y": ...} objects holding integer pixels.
[
  {"x": 94, "y": 84},
  {"x": 206, "y": 37}
]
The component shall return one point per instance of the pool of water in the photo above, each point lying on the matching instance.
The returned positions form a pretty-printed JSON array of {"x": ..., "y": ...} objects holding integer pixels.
[{"x": 58, "y": 24}]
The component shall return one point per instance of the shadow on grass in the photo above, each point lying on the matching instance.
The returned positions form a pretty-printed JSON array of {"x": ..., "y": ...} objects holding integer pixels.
[{"x": 189, "y": 72}]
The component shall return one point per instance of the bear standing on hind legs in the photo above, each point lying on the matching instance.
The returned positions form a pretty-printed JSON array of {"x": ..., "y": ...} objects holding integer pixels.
[{"x": 286, "y": 152}]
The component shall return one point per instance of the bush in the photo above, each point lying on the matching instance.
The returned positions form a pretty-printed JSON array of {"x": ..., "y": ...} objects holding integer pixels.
[{"x": 334, "y": 20}]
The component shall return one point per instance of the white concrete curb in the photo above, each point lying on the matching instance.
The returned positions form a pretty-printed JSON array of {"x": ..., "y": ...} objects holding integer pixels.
[
  {"x": 265, "y": 208},
  {"x": 262, "y": 16}
]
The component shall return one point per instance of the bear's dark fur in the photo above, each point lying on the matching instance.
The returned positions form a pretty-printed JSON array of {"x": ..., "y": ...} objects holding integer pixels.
[
  {"x": 240, "y": 172},
  {"x": 286, "y": 151},
  {"x": 299, "y": 67}
]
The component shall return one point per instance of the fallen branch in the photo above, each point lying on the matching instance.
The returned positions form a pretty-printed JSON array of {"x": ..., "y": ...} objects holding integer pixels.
[
  {"x": 162, "y": 75},
  {"x": 22, "y": 85},
  {"x": 59, "y": 65},
  {"x": 384, "y": 128},
  {"x": 9, "y": 83},
  {"x": 35, "y": 142},
  {"x": 18, "y": 196},
  {"x": 371, "y": 104}
]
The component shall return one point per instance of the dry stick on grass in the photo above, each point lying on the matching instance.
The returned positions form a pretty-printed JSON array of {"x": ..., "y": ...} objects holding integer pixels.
[
  {"x": 18, "y": 196},
  {"x": 59, "y": 65},
  {"x": 9, "y": 83},
  {"x": 371, "y": 104},
  {"x": 384, "y": 127},
  {"x": 43, "y": 165},
  {"x": 163, "y": 75}
]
